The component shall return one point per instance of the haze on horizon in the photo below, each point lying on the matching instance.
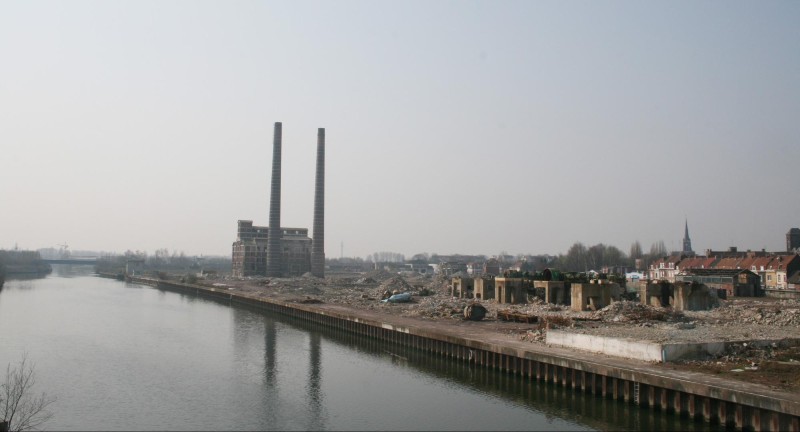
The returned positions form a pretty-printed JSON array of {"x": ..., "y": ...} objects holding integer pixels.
[{"x": 452, "y": 126}]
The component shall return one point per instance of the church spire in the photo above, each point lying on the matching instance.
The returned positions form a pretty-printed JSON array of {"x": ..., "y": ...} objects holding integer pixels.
[{"x": 687, "y": 243}]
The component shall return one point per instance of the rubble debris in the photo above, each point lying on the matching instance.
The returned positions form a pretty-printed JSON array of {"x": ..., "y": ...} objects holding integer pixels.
[
  {"x": 396, "y": 285},
  {"x": 555, "y": 321},
  {"x": 379, "y": 275},
  {"x": 537, "y": 335},
  {"x": 474, "y": 312},
  {"x": 635, "y": 312},
  {"x": 737, "y": 320},
  {"x": 366, "y": 281},
  {"x": 509, "y": 315},
  {"x": 399, "y": 298},
  {"x": 309, "y": 300}
]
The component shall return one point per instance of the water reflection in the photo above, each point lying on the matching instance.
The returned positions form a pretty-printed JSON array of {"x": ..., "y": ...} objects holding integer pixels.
[
  {"x": 23, "y": 277},
  {"x": 554, "y": 401},
  {"x": 193, "y": 363},
  {"x": 72, "y": 270},
  {"x": 58, "y": 270},
  {"x": 313, "y": 388},
  {"x": 271, "y": 392}
]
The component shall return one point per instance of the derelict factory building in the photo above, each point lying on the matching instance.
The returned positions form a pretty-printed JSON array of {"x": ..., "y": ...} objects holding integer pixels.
[{"x": 277, "y": 251}]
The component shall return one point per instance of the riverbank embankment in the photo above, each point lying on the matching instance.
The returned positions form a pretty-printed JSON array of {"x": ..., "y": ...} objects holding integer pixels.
[{"x": 686, "y": 393}]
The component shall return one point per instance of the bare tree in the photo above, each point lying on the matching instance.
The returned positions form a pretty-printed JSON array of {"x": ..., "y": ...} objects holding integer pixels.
[
  {"x": 614, "y": 257},
  {"x": 19, "y": 407},
  {"x": 576, "y": 258},
  {"x": 595, "y": 256},
  {"x": 636, "y": 250},
  {"x": 658, "y": 249}
]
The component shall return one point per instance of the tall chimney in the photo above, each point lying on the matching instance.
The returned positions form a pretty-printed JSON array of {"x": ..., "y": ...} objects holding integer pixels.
[
  {"x": 318, "y": 243},
  {"x": 274, "y": 249}
]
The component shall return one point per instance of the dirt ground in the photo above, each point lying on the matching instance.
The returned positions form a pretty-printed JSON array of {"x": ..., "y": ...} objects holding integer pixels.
[
  {"x": 779, "y": 369},
  {"x": 741, "y": 321}
]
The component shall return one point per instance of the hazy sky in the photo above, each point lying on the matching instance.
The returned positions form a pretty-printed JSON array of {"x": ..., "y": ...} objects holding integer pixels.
[{"x": 452, "y": 126}]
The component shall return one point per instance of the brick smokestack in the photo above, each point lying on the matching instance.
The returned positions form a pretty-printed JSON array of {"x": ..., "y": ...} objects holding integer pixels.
[
  {"x": 318, "y": 243},
  {"x": 274, "y": 249}
]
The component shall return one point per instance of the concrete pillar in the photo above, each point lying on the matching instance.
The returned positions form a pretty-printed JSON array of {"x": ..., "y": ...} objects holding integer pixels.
[
  {"x": 318, "y": 242},
  {"x": 274, "y": 249}
]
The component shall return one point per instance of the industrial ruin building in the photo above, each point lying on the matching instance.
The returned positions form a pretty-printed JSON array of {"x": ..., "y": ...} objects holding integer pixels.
[
  {"x": 688, "y": 295},
  {"x": 277, "y": 251},
  {"x": 250, "y": 250},
  {"x": 511, "y": 290},
  {"x": 594, "y": 295}
]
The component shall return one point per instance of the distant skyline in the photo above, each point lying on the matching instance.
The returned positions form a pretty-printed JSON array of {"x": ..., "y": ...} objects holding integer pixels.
[{"x": 469, "y": 127}]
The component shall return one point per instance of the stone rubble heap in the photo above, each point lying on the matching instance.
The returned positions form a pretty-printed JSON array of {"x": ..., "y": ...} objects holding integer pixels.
[
  {"x": 781, "y": 313},
  {"x": 635, "y": 313},
  {"x": 736, "y": 319}
]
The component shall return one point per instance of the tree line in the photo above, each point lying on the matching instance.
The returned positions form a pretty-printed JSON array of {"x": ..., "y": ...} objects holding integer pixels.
[
  {"x": 578, "y": 258},
  {"x": 162, "y": 260},
  {"x": 22, "y": 262},
  {"x": 581, "y": 258}
]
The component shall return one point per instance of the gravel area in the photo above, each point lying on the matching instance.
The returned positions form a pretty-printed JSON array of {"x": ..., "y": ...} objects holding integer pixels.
[{"x": 736, "y": 320}]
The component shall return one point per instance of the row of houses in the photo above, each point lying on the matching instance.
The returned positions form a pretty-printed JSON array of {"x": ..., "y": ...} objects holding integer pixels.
[{"x": 737, "y": 271}]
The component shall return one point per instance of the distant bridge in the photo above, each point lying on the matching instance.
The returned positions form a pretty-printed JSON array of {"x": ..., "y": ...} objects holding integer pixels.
[{"x": 84, "y": 261}]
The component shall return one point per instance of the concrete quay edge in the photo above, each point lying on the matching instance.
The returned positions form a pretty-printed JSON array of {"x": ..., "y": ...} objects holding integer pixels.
[{"x": 471, "y": 335}]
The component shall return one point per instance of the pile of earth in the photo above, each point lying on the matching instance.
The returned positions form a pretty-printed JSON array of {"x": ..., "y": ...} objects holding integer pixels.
[
  {"x": 636, "y": 312},
  {"x": 772, "y": 312}
]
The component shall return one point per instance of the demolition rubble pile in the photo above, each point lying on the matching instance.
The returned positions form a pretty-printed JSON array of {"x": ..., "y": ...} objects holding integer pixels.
[
  {"x": 782, "y": 313},
  {"x": 761, "y": 332},
  {"x": 738, "y": 319},
  {"x": 635, "y": 313}
]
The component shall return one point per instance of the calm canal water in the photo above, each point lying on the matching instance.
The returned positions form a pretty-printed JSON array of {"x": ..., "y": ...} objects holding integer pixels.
[{"x": 121, "y": 356}]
